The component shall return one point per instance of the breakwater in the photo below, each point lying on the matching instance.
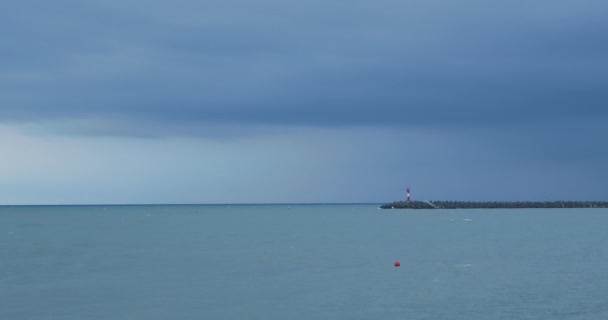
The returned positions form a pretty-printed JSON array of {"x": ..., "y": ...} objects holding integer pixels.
[{"x": 417, "y": 204}]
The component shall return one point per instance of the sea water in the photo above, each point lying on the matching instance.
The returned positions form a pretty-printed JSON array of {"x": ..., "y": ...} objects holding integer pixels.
[{"x": 301, "y": 262}]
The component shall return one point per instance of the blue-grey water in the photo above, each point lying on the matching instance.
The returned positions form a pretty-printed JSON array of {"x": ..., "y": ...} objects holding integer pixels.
[{"x": 301, "y": 262}]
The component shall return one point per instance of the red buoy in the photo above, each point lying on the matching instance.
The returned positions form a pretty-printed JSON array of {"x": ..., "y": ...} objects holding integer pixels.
[{"x": 397, "y": 264}]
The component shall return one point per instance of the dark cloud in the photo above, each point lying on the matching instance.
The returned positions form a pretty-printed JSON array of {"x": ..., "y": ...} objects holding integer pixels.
[
  {"x": 472, "y": 99},
  {"x": 420, "y": 63}
]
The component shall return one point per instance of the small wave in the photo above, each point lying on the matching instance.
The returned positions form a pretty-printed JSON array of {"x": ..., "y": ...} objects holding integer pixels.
[{"x": 467, "y": 265}]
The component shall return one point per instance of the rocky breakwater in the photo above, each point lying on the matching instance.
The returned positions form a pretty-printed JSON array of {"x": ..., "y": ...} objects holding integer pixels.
[{"x": 417, "y": 204}]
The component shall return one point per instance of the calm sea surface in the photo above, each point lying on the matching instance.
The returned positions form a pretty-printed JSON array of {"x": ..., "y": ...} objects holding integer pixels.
[{"x": 301, "y": 262}]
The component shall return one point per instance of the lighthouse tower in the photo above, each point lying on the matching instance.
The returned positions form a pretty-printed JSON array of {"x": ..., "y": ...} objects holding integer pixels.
[{"x": 408, "y": 194}]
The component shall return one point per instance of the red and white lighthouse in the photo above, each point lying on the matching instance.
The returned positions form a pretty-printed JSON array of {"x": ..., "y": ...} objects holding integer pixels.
[{"x": 408, "y": 194}]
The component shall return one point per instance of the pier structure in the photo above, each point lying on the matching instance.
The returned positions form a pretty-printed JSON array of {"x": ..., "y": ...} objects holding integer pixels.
[{"x": 437, "y": 204}]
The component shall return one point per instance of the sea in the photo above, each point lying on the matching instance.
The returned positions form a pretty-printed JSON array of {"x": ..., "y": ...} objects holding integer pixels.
[{"x": 301, "y": 262}]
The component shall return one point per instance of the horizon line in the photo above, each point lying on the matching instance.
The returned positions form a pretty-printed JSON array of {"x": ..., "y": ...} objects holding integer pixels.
[
  {"x": 188, "y": 204},
  {"x": 269, "y": 203}
]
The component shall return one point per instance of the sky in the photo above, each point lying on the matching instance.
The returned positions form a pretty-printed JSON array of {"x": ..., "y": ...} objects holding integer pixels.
[{"x": 281, "y": 101}]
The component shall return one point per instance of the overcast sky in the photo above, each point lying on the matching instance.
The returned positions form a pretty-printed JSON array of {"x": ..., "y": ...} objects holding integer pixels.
[{"x": 238, "y": 101}]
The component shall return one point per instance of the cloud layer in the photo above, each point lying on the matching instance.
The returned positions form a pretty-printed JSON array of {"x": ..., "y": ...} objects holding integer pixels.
[
  {"x": 302, "y": 101},
  {"x": 188, "y": 63}
]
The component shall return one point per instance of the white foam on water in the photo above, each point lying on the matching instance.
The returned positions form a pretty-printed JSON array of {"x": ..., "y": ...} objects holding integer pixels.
[
  {"x": 468, "y": 220},
  {"x": 467, "y": 265}
]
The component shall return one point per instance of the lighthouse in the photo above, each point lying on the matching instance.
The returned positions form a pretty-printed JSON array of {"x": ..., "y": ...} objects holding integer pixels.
[{"x": 408, "y": 194}]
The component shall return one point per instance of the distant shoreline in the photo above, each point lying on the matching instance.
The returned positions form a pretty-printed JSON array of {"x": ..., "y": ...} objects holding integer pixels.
[{"x": 437, "y": 204}]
